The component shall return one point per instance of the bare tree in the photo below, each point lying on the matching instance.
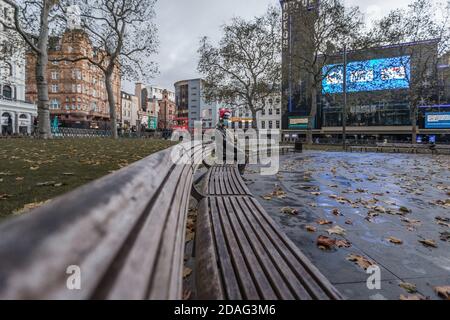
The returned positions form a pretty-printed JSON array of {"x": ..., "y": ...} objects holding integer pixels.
[
  {"x": 12, "y": 48},
  {"x": 325, "y": 29},
  {"x": 34, "y": 20},
  {"x": 125, "y": 38},
  {"x": 424, "y": 22},
  {"x": 245, "y": 67}
]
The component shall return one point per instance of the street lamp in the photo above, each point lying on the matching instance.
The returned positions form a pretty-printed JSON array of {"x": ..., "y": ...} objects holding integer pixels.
[{"x": 344, "y": 108}]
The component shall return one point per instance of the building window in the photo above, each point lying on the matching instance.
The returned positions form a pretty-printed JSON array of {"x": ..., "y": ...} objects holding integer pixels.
[
  {"x": 6, "y": 69},
  {"x": 76, "y": 74},
  {"x": 278, "y": 124},
  {"x": 270, "y": 112},
  {"x": 278, "y": 111},
  {"x": 270, "y": 124},
  {"x": 263, "y": 124},
  {"x": 263, "y": 112},
  {"x": 54, "y": 104},
  {"x": 55, "y": 63},
  {"x": 55, "y": 75},
  {"x": 7, "y": 92},
  {"x": 55, "y": 88}
]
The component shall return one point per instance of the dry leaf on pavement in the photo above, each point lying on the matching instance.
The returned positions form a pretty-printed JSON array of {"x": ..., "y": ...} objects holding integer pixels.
[
  {"x": 360, "y": 261},
  {"x": 336, "y": 212},
  {"x": 343, "y": 244},
  {"x": 336, "y": 230},
  {"x": 443, "y": 292},
  {"x": 289, "y": 210},
  {"x": 311, "y": 229},
  {"x": 324, "y": 222},
  {"x": 428, "y": 243},
  {"x": 410, "y": 287},
  {"x": 325, "y": 243},
  {"x": 186, "y": 272},
  {"x": 394, "y": 240},
  {"x": 412, "y": 297}
]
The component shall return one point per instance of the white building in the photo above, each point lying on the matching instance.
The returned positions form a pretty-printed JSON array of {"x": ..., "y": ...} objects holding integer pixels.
[
  {"x": 16, "y": 115},
  {"x": 268, "y": 118},
  {"x": 129, "y": 111},
  {"x": 155, "y": 92}
]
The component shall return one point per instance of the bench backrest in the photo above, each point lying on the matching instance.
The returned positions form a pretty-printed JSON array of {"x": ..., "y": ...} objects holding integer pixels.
[{"x": 125, "y": 232}]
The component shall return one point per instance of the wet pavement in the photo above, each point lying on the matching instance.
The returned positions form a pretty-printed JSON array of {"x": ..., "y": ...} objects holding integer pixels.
[{"x": 372, "y": 197}]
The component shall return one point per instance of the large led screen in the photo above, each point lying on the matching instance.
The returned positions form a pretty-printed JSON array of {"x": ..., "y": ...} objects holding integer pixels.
[
  {"x": 437, "y": 120},
  {"x": 368, "y": 75}
]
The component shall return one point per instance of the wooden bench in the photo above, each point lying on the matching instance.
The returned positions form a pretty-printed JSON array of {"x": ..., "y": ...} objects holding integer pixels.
[
  {"x": 242, "y": 254},
  {"x": 126, "y": 233}
]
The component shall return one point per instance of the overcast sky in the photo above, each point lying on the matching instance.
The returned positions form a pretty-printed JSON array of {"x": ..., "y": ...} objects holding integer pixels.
[{"x": 182, "y": 23}]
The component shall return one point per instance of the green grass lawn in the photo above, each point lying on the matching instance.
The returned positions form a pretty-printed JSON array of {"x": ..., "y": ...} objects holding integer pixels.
[{"x": 34, "y": 171}]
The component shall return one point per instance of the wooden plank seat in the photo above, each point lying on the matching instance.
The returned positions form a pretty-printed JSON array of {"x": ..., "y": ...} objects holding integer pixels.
[
  {"x": 224, "y": 180},
  {"x": 242, "y": 254},
  {"x": 125, "y": 232}
]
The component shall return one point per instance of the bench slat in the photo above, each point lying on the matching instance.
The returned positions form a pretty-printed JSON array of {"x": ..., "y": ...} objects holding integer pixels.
[
  {"x": 284, "y": 280},
  {"x": 225, "y": 261},
  {"x": 97, "y": 228},
  {"x": 306, "y": 272},
  {"x": 243, "y": 254}
]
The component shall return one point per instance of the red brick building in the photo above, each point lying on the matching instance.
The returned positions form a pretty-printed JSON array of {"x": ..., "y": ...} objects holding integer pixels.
[
  {"x": 77, "y": 90},
  {"x": 167, "y": 112}
]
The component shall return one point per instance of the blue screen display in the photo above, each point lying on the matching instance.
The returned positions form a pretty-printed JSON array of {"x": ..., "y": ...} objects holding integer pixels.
[
  {"x": 437, "y": 120},
  {"x": 368, "y": 75}
]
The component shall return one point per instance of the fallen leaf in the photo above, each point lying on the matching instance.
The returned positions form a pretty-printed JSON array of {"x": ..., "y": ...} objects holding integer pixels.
[
  {"x": 343, "y": 244},
  {"x": 316, "y": 193},
  {"x": 20, "y": 178},
  {"x": 190, "y": 235},
  {"x": 34, "y": 168},
  {"x": 336, "y": 212},
  {"x": 404, "y": 210},
  {"x": 349, "y": 222},
  {"x": 325, "y": 243},
  {"x": 186, "y": 272},
  {"x": 267, "y": 197},
  {"x": 442, "y": 219},
  {"x": 288, "y": 210},
  {"x": 44, "y": 184},
  {"x": 428, "y": 243},
  {"x": 412, "y": 297},
  {"x": 324, "y": 222},
  {"x": 187, "y": 294},
  {"x": 445, "y": 236},
  {"x": 394, "y": 240},
  {"x": 360, "y": 261},
  {"x": 311, "y": 229},
  {"x": 411, "y": 288},
  {"x": 443, "y": 292},
  {"x": 30, "y": 206},
  {"x": 336, "y": 230},
  {"x": 4, "y": 196}
]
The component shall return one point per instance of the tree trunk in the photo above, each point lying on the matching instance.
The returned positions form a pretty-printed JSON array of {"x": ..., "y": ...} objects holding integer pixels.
[
  {"x": 414, "y": 121},
  {"x": 41, "y": 77},
  {"x": 312, "y": 115},
  {"x": 112, "y": 105}
]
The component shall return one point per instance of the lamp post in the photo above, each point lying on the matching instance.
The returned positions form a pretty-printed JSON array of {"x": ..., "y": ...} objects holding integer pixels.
[{"x": 344, "y": 107}]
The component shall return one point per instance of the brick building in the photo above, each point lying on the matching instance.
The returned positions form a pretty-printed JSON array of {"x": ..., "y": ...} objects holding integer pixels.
[
  {"x": 167, "y": 111},
  {"x": 77, "y": 90}
]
